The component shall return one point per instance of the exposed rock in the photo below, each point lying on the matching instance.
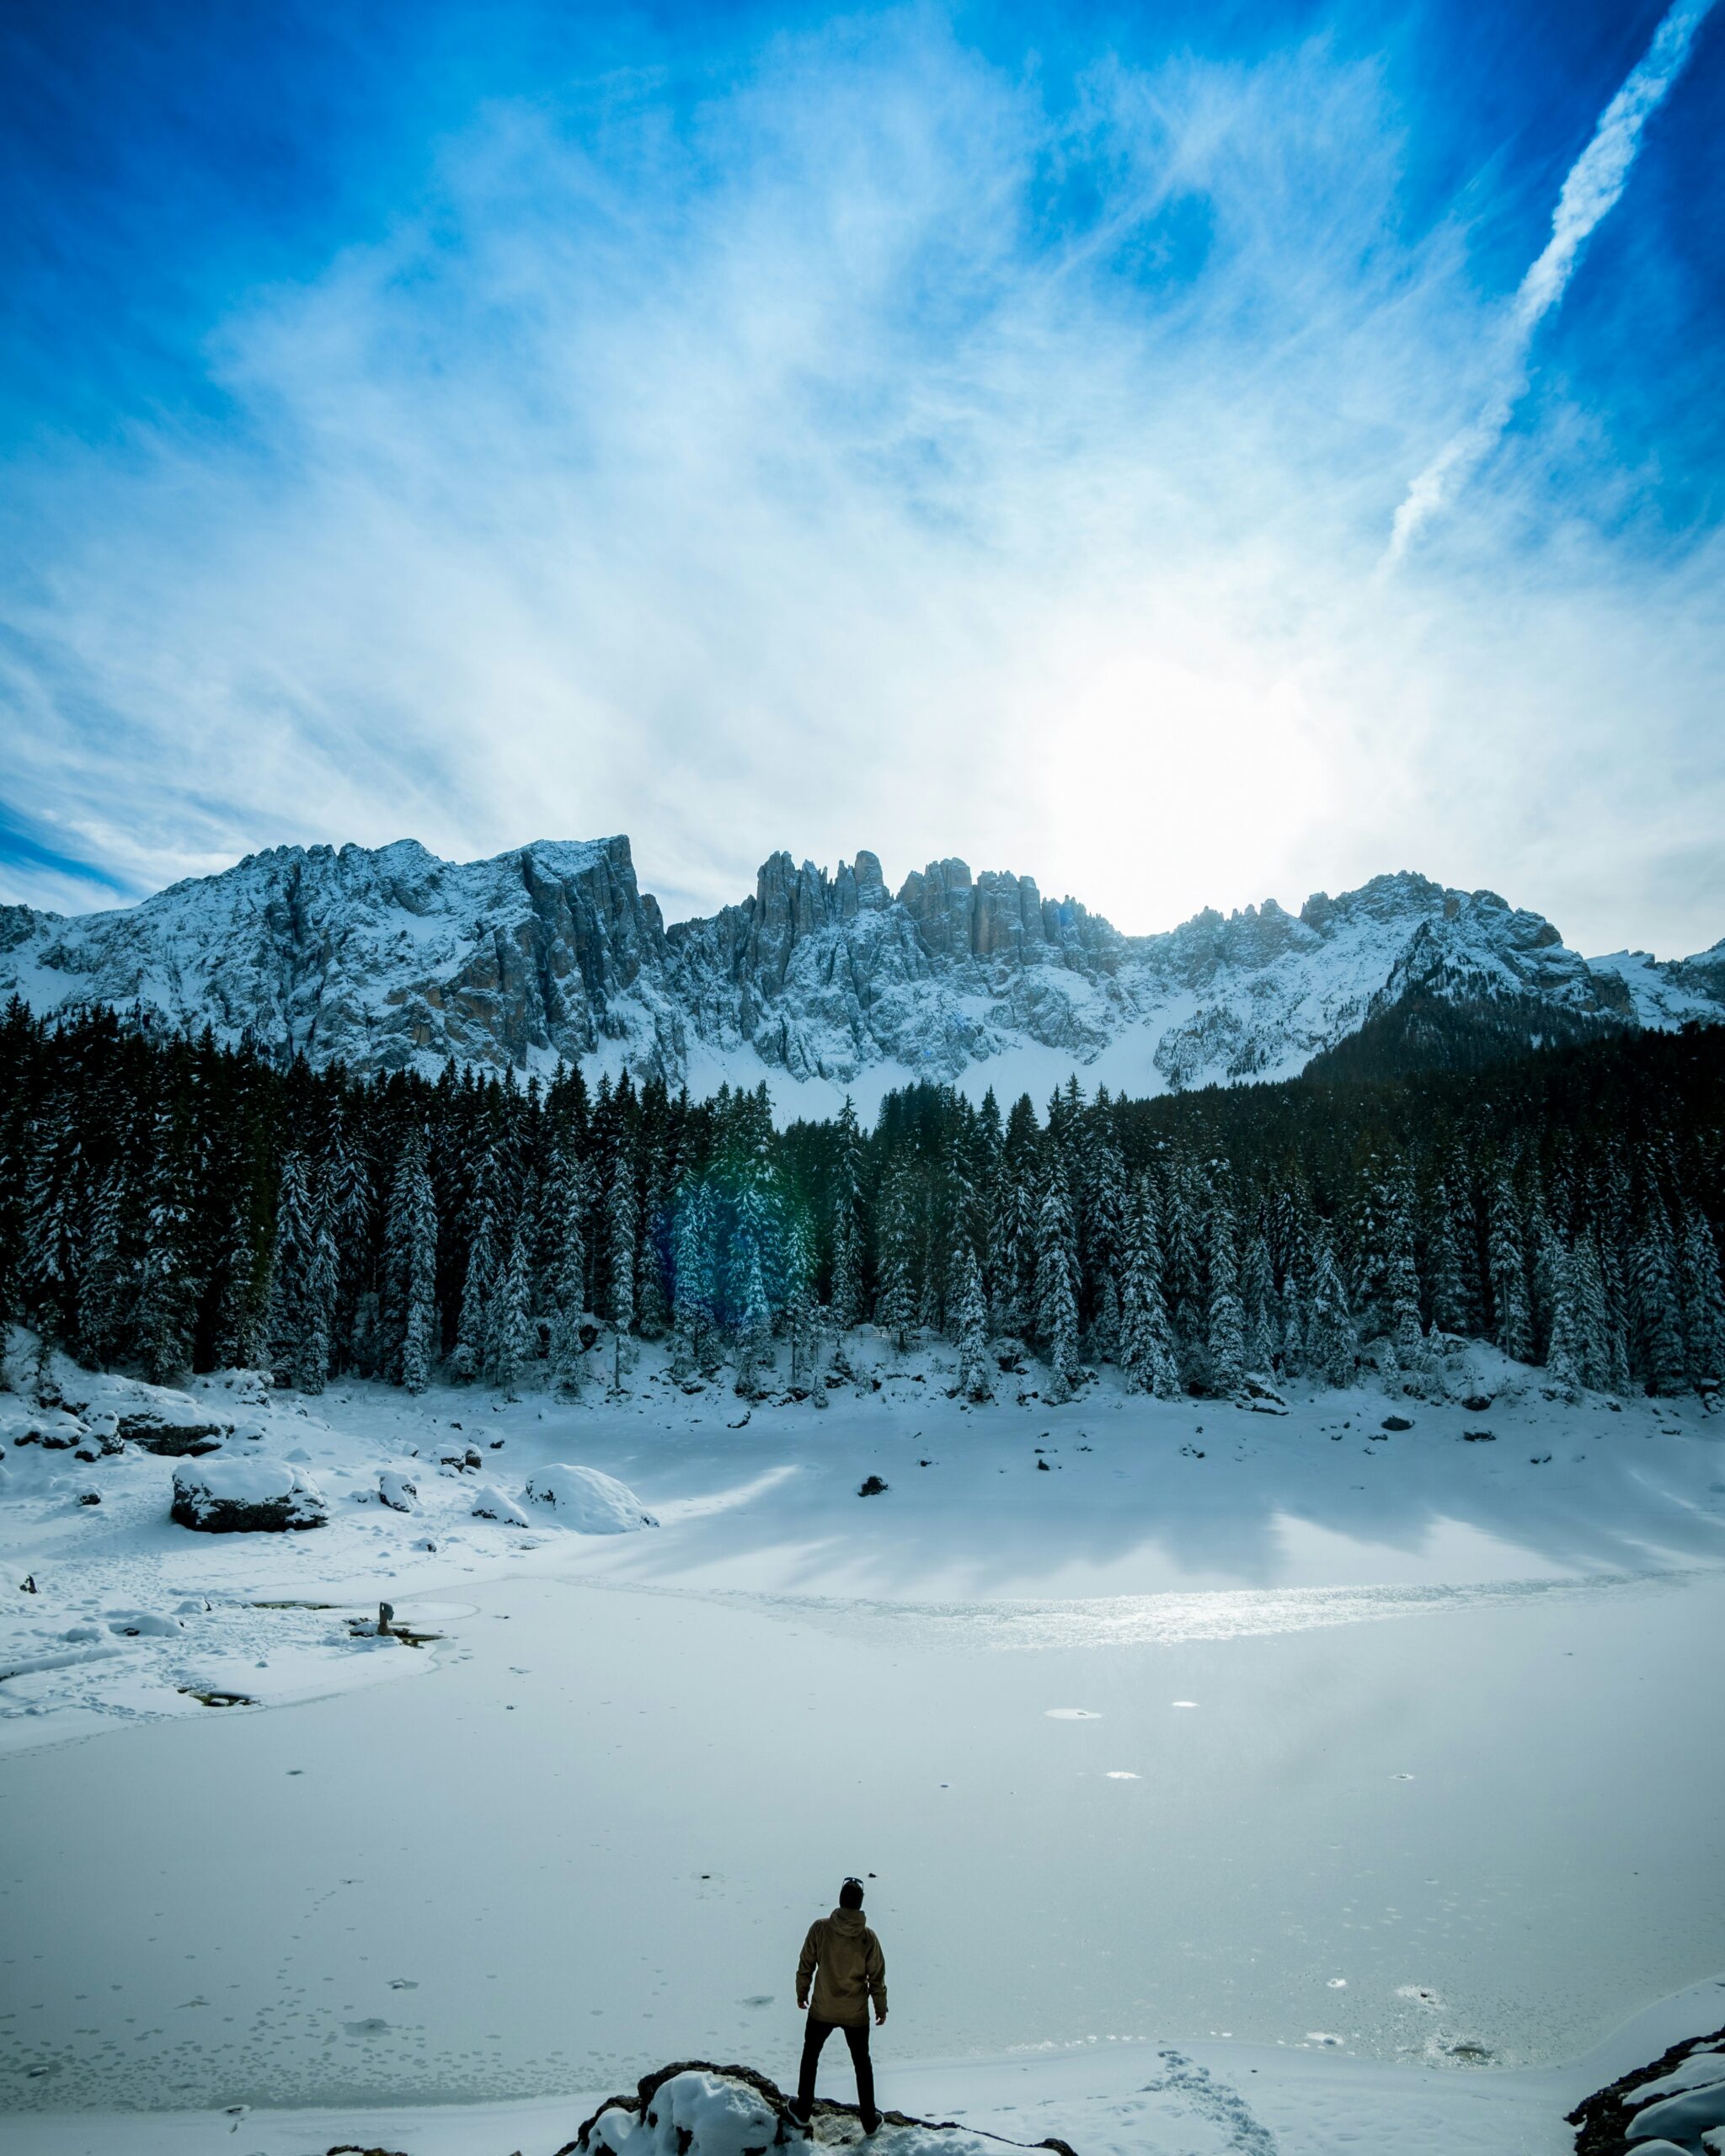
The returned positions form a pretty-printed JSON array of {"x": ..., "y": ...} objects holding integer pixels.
[
  {"x": 246, "y": 1497},
  {"x": 157, "y": 1432},
  {"x": 1396, "y": 1422},
  {"x": 1662, "y": 2098}
]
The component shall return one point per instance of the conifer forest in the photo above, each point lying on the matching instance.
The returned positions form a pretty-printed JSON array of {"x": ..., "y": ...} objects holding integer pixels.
[{"x": 169, "y": 1206}]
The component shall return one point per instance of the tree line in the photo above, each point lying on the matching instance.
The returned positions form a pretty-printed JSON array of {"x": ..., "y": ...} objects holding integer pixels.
[{"x": 170, "y": 1205}]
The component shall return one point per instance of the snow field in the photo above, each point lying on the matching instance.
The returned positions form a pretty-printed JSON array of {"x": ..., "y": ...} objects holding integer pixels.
[{"x": 1350, "y": 1753}]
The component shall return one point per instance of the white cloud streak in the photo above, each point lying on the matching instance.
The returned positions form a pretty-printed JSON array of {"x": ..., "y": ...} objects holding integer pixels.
[
  {"x": 802, "y": 479},
  {"x": 1591, "y": 190}
]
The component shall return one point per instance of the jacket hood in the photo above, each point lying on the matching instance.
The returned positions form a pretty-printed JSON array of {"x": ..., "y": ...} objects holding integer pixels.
[{"x": 849, "y": 1920}]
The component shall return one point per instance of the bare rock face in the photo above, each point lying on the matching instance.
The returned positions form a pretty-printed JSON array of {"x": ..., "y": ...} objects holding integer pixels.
[
  {"x": 694, "y": 2109},
  {"x": 391, "y": 960}
]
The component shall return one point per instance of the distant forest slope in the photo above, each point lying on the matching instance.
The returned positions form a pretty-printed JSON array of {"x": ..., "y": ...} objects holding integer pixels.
[{"x": 169, "y": 1204}]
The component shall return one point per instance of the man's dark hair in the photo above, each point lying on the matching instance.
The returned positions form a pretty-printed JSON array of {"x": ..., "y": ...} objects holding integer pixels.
[{"x": 851, "y": 1894}]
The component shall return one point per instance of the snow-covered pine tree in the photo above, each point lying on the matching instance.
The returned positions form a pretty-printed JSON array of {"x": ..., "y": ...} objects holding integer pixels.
[
  {"x": 847, "y": 1297},
  {"x": 895, "y": 1300},
  {"x": 1225, "y": 1332},
  {"x": 1332, "y": 1344},
  {"x": 1506, "y": 1262},
  {"x": 1056, "y": 1302},
  {"x": 291, "y": 1263},
  {"x": 420, "y": 1340},
  {"x": 1592, "y": 1324},
  {"x": 1257, "y": 1296},
  {"x": 967, "y": 1315},
  {"x": 509, "y": 1327},
  {"x": 469, "y": 1359},
  {"x": 1183, "y": 1273},
  {"x": 753, "y": 1348},
  {"x": 566, "y": 1200},
  {"x": 1566, "y": 1350},
  {"x": 108, "y": 1288},
  {"x": 55, "y": 1202},
  {"x": 1449, "y": 1295},
  {"x": 1658, "y": 1320},
  {"x": 344, "y": 1185},
  {"x": 621, "y": 1229},
  {"x": 311, "y": 1363},
  {"x": 167, "y": 1290},
  {"x": 1146, "y": 1340},
  {"x": 1703, "y": 1306}
]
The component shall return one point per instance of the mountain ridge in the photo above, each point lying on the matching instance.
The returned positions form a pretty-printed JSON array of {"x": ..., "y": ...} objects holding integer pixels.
[{"x": 820, "y": 981}]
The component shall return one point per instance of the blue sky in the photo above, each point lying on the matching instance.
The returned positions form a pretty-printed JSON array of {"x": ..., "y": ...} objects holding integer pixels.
[{"x": 974, "y": 430}]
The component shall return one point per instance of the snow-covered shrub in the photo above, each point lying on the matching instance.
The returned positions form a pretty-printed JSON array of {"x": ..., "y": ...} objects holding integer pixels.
[
  {"x": 395, "y": 1490},
  {"x": 227, "y": 1495},
  {"x": 587, "y": 1501}
]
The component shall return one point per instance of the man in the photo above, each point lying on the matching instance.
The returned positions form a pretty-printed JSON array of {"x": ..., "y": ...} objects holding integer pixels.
[{"x": 844, "y": 1958}]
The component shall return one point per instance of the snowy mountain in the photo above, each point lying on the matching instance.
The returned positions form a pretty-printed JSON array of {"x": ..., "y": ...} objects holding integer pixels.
[{"x": 822, "y": 984}]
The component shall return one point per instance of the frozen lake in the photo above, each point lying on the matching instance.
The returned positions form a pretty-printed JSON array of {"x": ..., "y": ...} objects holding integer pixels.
[{"x": 1135, "y": 1750}]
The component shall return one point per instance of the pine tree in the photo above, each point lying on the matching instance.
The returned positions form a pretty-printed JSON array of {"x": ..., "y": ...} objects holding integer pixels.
[
  {"x": 1592, "y": 1343},
  {"x": 1703, "y": 1306},
  {"x": 621, "y": 1225},
  {"x": 1332, "y": 1344},
  {"x": 469, "y": 1359},
  {"x": 895, "y": 1302},
  {"x": 1444, "y": 1274},
  {"x": 1225, "y": 1334},
  {"x": 167, "y": 1289},
  {"x": 1507, "y": 1265},
  {"x": 290, "y": 1267},
  {"x": 1257, "y": 1296},
  {"x": 310, "y": 1364},
  {"x": 1658, "y": 1323},
  {"x": 846, "y": 1299},
  {"x": 566, "y": 1204},
  {"x": 509, "y": 1333},
  {"x": 754, "y": 1327},
  {"x": 1566, "y": 1351},
  {"x": 1056, "y": 1303},
  {"x": 968, "y": 1317},
  {"x": 1146, "y": 1341}
]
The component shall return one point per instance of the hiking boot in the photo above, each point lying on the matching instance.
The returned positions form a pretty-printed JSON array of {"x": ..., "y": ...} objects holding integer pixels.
[
  {"x": 871, "y": 2123},
  {"x": 799, "y": 2116}
]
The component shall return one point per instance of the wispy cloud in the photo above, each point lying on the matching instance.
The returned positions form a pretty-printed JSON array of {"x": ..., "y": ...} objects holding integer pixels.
[
  {"x": 883, "y": 452},
  {"x": 1591, "y": 190}
]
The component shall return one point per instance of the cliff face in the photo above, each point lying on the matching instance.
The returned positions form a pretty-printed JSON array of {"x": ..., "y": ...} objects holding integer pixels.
[{"x": 391, "y": 959}]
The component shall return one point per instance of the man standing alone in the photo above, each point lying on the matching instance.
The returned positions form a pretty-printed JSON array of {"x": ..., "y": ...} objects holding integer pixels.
[{"x": 844, "y": 1958}]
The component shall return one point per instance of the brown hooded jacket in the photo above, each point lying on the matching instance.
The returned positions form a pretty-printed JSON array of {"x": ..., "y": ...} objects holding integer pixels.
[{"x": 844, "y": 1958}]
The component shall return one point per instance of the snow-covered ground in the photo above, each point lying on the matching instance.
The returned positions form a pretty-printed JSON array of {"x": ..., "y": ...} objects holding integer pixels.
[{"x": 1225, "y": 1780}]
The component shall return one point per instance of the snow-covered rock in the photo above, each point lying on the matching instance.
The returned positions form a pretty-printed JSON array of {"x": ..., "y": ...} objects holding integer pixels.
[
  {"x": 490, "y": 1503},
  {"x": 696, "y": 2110},
  {"x": 224, "y": 1495},
  {"x": 590, "y": 1503},
  {"x": 395, "y": 1490},
  {"x": 392, "y": 959}
]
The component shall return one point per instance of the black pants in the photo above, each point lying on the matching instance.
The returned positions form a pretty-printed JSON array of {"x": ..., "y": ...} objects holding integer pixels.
[{"x": 815, "y": 2036}]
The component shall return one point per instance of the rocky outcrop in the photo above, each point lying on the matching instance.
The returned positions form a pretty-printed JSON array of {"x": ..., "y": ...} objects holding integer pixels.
[
  {"x": 694, "y": 2109},
  {"x": 1672, "y": 2103},
  {"x": 391, "y": 960}
]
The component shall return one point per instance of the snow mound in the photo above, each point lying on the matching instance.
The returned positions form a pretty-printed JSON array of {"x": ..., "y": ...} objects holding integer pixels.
[
  {"x": 694, "y": 2109},
  {"x": 223, "y": 1495},
  {"x": 587, "y": 1501},
  {"x": 489, "y": 1503},
  {"x": 397, "y": 1491}
]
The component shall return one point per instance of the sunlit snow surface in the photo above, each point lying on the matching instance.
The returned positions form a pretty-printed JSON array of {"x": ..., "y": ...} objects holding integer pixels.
[{"x": 1408, "y": 1743}]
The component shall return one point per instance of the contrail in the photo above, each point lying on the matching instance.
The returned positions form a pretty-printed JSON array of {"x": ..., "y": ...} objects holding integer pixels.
[{"x": 1595, "y": 180}]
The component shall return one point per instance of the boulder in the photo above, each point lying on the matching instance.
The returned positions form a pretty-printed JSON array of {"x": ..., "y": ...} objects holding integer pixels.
[
  {"x": 489, "y": 1503},
  {"x": 1396, "y": 1422},
  {"x": 171, "y": 1437},
  {"x": 590, "y": 1503},
  {"x": 694, "y": 2109},
  {"x": 395, "y": 1490},
  {"x": 230, "y": 1495}
]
